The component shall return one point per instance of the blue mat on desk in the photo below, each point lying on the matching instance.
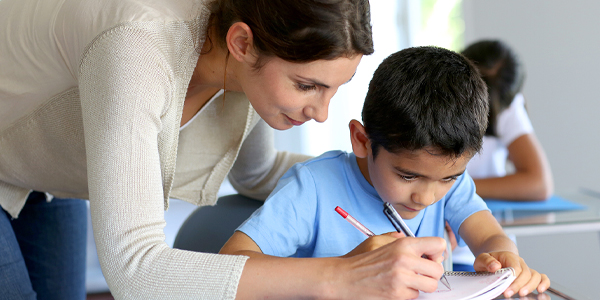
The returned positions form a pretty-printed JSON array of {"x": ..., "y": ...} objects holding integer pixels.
[{"x": 554, "y": 203}]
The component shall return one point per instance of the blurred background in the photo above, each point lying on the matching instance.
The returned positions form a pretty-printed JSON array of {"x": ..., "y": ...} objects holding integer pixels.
[{"x": 558, "y": 43}]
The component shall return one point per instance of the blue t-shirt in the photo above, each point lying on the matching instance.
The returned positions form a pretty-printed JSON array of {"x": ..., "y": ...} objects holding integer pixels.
[{"x": 299, "y": 218}]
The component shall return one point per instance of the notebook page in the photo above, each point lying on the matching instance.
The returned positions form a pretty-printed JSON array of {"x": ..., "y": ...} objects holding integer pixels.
[{"x": 469, "y": 285}]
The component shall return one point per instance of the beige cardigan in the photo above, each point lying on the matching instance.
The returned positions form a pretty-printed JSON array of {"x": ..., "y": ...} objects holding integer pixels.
[{"x": 91, "y": 97}]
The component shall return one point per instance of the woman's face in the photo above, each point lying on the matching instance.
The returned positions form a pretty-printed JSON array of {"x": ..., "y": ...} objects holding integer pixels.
[{"x": 288, "y": 94}]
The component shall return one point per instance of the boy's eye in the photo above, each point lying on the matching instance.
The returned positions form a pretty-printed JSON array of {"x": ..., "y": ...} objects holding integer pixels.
[
  {"x": 449, "y": 179},
  {"x": 408, "y": 177},
  {"x": 304, "y": 87}
]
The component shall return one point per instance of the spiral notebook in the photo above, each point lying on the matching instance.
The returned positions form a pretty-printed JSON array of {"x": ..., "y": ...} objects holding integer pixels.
[{"x": 473, "y": 285}]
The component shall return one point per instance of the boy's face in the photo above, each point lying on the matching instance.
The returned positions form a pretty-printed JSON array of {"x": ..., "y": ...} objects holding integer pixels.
[{"x": 413, "y": 180}]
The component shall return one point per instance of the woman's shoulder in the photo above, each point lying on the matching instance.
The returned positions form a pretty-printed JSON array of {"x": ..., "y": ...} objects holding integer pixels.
[
  {"x": 83, "y": 21},
  {"x": 113, "y": 12}
]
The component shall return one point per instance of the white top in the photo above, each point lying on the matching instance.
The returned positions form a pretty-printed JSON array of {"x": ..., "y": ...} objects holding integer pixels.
[
  {"x": 512, "y": 123},
  {"x": 91, "y": 98}
]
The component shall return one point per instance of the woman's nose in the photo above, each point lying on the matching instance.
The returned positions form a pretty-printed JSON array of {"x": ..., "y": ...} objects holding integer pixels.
[
  {"x": 322, "y": 113},
  {"x": 320, "y": 110}
]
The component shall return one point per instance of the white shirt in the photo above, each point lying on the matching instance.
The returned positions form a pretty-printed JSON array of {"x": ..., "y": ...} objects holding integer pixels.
[{"x": 512, "y": 123}]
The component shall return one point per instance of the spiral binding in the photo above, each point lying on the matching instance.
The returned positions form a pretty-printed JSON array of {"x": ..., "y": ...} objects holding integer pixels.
[{"x": 465, "y": 273}]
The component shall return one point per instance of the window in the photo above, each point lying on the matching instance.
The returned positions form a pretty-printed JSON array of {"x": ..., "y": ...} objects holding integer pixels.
[{"x": 440, "y": 23}]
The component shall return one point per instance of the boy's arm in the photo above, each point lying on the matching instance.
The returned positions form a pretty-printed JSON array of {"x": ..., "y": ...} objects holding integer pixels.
[
  {"x": 494, "y": 250},
  {"x": 240, "y": 244},
  {"x": 488, "y": 238}
]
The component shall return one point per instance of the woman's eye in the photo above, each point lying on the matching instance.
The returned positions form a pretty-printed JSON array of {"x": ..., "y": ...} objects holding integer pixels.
[{"x": 304, "y": 87}]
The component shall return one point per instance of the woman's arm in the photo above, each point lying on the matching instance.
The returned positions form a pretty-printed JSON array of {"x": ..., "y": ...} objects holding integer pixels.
[
  {"x": 128, "y": 103},
  {"x": 532, "y": 179},
  {"x": 259, "y": 165},
  {"x": 394, "y": 271}
]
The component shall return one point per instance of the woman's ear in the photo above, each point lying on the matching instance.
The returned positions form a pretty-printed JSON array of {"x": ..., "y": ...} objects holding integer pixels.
[
  {"x": 358, "y": 137},
  {"x": 240, "y": 43}
]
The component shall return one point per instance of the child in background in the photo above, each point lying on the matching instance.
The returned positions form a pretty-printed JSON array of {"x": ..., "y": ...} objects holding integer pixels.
[
  {"x": 509, "y": 136},
  {"x": 424, "y": 118}
]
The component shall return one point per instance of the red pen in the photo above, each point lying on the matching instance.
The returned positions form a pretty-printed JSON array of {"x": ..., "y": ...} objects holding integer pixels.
[{"x": 354, "y": 222}]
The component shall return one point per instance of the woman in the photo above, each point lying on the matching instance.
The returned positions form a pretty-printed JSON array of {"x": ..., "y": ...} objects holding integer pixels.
[{"x": 119, "y": 102}]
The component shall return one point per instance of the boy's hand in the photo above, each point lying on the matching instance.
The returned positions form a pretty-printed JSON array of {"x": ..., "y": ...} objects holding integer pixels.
[
  {"x": 527, "y": 279},
  {"x": 375, "y": 242}
]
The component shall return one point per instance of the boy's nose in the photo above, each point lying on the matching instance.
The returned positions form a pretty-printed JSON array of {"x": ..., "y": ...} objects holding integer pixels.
[{"x": 425, "y": 197}]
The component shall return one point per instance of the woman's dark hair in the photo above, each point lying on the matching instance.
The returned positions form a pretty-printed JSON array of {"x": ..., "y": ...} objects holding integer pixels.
[
  {"x": 426, "y": 98},
  {"x": 503, "y": 73},
  {"x": 299, "y": 30}
]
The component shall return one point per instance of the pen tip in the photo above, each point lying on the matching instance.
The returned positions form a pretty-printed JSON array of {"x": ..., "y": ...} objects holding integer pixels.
[{"x": 444, "y": 280}]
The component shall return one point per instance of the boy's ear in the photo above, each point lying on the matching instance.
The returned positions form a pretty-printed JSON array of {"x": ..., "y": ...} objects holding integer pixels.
[
  {"x": 240, "y": 42},
  {"x": 358, "y": 137}
]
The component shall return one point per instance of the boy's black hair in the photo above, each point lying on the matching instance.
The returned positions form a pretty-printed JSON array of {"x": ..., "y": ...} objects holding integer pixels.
[
  {"x": 426, "y": 97},
  {"x": 501, "y": 70}
]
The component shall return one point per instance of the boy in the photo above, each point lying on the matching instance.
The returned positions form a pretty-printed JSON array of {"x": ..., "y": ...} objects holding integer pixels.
[{"x": 424, "y": 118}]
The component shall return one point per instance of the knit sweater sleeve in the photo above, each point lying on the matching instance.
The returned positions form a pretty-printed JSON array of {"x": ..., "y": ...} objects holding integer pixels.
[
  {"x": 126, "y": 88},
  {"x": 259, "y": 165}
]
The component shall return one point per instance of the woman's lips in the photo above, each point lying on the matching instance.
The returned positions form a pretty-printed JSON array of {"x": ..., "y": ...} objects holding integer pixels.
[{"x": 294, "y": 122}]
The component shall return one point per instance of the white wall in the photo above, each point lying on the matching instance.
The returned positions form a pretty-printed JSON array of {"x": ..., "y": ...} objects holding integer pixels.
[{"x": 559, "y": 44}]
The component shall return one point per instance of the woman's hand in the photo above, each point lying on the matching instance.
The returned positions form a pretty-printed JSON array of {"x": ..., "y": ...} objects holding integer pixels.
[
  {"x": 375, "y": 242},
  {"x": 394, "y": 270},
  {"x": 527, "y": 279}
]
